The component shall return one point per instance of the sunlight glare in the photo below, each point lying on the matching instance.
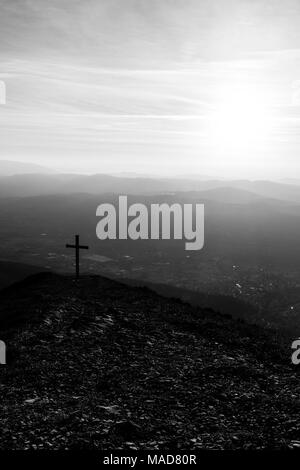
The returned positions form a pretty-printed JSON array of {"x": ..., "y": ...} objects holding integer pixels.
[{"x": 239, "y": 120}]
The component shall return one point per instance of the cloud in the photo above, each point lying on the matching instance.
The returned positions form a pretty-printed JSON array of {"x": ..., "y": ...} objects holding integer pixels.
[{"x": 134, "y": 79}]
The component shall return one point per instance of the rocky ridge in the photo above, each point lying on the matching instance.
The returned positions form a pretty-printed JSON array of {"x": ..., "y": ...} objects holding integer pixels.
[{"x": 95, "y": 364}]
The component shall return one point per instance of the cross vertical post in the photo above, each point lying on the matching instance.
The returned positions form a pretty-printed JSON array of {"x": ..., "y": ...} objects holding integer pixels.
[
  {"x": 77, "y": 255},
  {"x": 77, "y": 247}
]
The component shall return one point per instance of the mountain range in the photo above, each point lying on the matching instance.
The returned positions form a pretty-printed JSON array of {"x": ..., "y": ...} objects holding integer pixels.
[
  {"x": 42, "y": 183},
  {"x": 13, "y": 167}
]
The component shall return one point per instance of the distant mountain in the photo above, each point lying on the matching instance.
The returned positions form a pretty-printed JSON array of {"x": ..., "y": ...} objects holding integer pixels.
[
  {"x": 226, "y": 195},
  {"x": 291, "y": 181},
  {"x": 46, "y": 184},
  {"x": 95, "y": 364},
  {"x": 270, "y": 189},
  {"x": 10, "y": 168}
]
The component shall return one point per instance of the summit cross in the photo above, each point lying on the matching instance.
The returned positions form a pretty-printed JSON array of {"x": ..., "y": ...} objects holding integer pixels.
[{"x": 77, "y": 247}]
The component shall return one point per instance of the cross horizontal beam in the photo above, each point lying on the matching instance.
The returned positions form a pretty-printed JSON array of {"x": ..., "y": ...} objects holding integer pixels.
[{"x": 81, "y": 247}]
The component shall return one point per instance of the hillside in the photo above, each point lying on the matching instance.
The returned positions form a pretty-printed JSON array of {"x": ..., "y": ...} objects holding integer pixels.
[
  {"x": 13, "y": 272},
  {"x": 97, "y": 364}
]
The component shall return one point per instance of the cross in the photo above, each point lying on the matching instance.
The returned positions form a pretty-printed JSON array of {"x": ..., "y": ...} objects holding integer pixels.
[{"x": 77, "y": 248}]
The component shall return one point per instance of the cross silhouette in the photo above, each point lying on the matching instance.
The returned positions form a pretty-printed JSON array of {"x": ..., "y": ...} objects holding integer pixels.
[{"x": 77, "y": 247}]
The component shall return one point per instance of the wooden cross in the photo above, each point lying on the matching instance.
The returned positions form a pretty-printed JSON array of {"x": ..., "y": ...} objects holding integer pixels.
[{"x": 77, "y": 248}]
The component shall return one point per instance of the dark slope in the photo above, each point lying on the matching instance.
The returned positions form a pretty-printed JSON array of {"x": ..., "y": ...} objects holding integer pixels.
[
  {"x": 13, "y": 272},
  {"x": 101, "y": 365},
  {"x": 219, "y": 303}
]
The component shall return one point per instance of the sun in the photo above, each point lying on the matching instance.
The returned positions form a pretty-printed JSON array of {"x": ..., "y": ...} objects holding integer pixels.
[{"x": 239, "y": 120}]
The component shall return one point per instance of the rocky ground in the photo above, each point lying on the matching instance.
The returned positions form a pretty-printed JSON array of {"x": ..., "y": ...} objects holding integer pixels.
[{"x": 95, "y": 364}]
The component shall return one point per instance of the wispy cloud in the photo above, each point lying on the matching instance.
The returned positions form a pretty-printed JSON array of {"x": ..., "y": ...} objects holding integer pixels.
[{"x": 103, "y": 83}]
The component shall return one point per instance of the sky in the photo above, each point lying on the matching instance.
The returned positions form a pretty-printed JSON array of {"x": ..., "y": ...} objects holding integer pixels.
[{"x": 165, "y": 87}]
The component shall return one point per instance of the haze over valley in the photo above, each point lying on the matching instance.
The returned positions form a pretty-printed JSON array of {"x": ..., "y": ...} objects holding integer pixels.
[{"x": 251, "y": 252}]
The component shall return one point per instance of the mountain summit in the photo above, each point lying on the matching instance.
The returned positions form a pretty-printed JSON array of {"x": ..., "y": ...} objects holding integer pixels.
[
  {"x": 95, "y": 364},
  {"x": 12, "y": 167}
]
